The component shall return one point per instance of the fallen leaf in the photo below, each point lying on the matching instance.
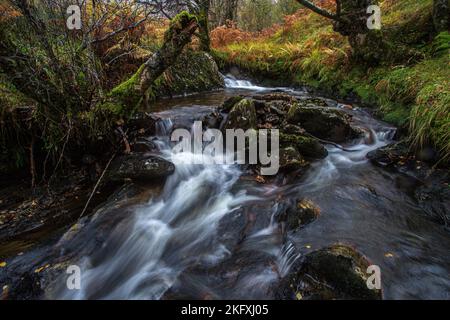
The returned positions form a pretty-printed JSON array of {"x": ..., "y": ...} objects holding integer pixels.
[
  {"x": 260, "y": 179},
  {"x": 2, "y": 264},
  {"x": 299, "y": 296},
  {"x": 388, "y": 255}
]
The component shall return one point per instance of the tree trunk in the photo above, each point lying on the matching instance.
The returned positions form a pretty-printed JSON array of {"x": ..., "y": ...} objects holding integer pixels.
[
  {"x": 129, "y": 94},
  {"x": 350, "y": 20},
  {"x": 203, "y": 25},
  {"x": 180, "y": 32},
  {"x": 441, "y": 15}
]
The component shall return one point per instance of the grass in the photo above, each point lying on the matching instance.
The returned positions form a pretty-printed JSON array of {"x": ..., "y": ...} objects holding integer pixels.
[{"x": 411, "y": 89}]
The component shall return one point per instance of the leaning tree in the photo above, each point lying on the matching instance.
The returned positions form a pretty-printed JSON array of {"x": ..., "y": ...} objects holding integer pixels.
[{"x": 350, "y": 20}]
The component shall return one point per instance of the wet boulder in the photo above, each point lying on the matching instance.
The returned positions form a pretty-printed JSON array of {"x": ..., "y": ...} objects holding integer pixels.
[
  {"x": 324, "y": 123},
  {"x": 307, "y": 146},
  {"x": 291, "y": 160},
  {"x": 336, "y": 272},
  {"x": 242, "y": 116},
  {"x": 139, "y": 167},
  {"x": 303, "y": 212},
  {"x": 297, "y": 214}
]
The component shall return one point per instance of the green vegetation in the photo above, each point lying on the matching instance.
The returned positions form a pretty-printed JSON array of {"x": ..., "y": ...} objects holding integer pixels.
[{"x": 411, "y": 86}]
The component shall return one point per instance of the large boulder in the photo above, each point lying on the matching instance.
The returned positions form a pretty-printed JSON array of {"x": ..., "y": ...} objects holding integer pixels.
[
  {"x": 336, "y": 272},
  {"x": 194, "y": 71},
  {"x": 242, "y": 116},
  {"x": 139, "y": 167},
  {"x": 324, "y": 123}
]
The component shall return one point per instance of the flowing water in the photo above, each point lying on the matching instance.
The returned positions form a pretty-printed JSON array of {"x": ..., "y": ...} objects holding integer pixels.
[{"x": 155, "y": 249}]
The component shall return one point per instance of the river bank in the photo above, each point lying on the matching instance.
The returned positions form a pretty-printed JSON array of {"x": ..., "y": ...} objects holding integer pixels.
[{"x": 409, "y": 91}]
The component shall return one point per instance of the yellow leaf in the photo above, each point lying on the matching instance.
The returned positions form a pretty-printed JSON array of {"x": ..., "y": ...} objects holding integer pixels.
[
  {"x": 2, "y": 264},
  {"x": 389, "y": 255},
  {"x": 299, "y": 296}
]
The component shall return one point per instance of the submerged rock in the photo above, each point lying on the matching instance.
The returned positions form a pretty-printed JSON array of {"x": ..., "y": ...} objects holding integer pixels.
[
  {"x": 324, "y": 123},
  {"x": 242, "y": 116},
  {"x": 434, "y": 199},
  {"x": 139, "y": 167},
  {"x": 302, "y": 213},
  {"x": 297, "y": 214},
  {"x": 336, "y": 272}
]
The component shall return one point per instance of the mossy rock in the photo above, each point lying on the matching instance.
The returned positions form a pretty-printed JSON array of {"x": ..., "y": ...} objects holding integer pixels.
[
  {"x": 139, "y": 167},
  {"x": 307, "y": 146},
  {"x": 194, "y": 71},
  {"x": 291, "y": 160},
  {"x": 230, "y": 103},
  {"x": 336, "y": 272},
  {"x": 242, "y": 116},
  {"x": 324, "y": 123},
  {"x": 298, "y": 214}
]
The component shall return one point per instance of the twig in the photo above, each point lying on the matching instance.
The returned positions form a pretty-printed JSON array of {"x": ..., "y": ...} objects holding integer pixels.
[{"x": 96, "y": 186}]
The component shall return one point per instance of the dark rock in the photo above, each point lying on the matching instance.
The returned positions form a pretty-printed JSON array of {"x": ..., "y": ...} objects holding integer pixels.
[
  {"x": 434, "y": 199},
  {"x": 231, "y": 229},
  {"x": 143, "y": 123},
  {"x": 194, "y": 71},
  {"x": 230, "y": 103},
  {"x": 324, "y": 123},
  {"x": 307, "y": 146},
  {"x": 276, "y": 97},
  {"x": 212, "y": 120},
  {"x": 388, "y": 155},
  {"x": 301, "y": 213},
  {"x": 337, "y": 272},
  {"x": 144, "y": 146},
  {"x": 139, "y": 167},
  {"x": 291, "y": 160},
  {"x": 242, "y": 116},
  {"x": 27, "y": 287}
]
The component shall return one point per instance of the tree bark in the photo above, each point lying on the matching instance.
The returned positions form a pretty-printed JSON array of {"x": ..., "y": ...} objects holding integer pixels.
[
  {"x": 350, "y": 20},
  {"x": 203, "y": 25},
  {"x": 138, "y": 89},
  {"x": 441, "y": 15},
  {"x": 181, "y": 30}
]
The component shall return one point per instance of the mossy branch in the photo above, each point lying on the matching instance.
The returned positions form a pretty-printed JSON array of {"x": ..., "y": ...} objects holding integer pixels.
[{"x": 136, "y": 90}]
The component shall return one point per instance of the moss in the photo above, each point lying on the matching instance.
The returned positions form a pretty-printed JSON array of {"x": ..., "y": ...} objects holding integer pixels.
[
  {"x": 127, "y": 95},
  {"x": 409, "y": 87},
  {"x": 194, "y": 71},
  {"x": 307, "y": 146}
]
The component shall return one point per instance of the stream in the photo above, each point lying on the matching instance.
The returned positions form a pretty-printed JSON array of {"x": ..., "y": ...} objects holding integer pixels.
[{"x": 180, "y": 241}]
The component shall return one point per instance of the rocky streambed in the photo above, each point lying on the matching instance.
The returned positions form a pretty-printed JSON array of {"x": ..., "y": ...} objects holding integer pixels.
[{"x": 344, "y": 199}]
